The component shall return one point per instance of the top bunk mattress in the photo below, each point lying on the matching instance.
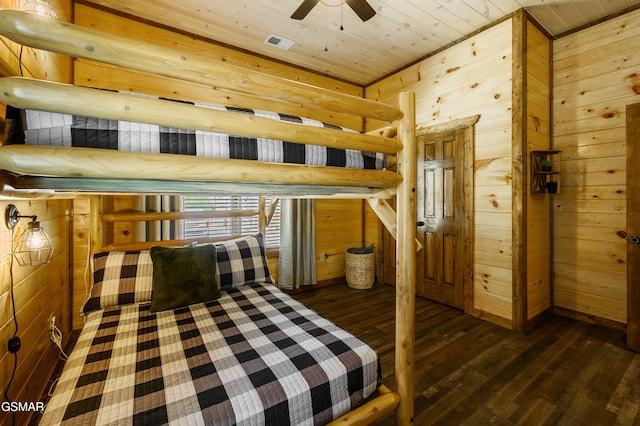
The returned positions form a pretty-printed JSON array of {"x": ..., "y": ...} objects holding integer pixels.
[{"x": 66, "y": 130}]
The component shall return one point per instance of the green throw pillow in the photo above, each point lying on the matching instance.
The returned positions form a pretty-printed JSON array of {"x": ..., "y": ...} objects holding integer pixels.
[{"x": 183, "y": 276}]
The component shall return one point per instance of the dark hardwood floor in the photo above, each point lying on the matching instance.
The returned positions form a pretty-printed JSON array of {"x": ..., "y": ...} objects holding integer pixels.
[{"x": 468, "y": 371}]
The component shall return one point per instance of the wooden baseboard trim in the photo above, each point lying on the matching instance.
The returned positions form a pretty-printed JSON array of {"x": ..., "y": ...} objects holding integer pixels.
[
  {"x": 538, "y": 320},
  {"x": 591, "y": 319},
  {"x": 319, "y": 284}
]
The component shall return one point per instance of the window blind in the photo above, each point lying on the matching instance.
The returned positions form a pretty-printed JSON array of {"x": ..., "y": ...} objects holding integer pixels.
[{"x": 228, "y": 226}]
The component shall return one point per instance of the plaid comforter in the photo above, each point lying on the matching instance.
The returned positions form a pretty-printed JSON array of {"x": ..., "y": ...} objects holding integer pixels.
[
  {"x": 54, "y": 129},
  {"x": 255, "y": 356}
]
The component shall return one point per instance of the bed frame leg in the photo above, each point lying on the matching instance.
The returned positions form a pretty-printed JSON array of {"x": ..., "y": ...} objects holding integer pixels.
[{"x": 406, "y": 260}]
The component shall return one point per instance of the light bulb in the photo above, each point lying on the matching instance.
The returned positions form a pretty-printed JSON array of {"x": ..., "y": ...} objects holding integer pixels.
[{"x": 36, "y": 240}]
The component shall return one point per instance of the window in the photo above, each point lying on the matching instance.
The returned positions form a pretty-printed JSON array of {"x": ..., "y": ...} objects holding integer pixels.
[{"x": 240, "y": 223}]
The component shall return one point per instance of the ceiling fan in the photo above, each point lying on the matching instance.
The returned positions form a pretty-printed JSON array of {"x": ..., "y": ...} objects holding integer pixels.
[{"x": 360, "y": 7}]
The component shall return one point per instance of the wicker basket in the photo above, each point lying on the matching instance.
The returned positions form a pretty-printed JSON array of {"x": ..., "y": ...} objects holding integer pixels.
[{"x": 360, "y": 269}]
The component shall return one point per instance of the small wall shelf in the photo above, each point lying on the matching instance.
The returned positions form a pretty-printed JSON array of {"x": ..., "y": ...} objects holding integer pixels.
[{"x": 545, "y": 172}]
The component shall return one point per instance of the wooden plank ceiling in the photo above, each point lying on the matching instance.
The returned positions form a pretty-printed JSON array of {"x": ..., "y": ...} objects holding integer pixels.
[{"x": 401, "y": 32}]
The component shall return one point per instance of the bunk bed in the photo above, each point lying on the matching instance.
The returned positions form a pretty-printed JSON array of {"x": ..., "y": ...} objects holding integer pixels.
[{"x": 45, "y": 171}]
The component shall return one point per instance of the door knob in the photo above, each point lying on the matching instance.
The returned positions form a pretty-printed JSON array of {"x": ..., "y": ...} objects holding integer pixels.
[{"x": 420, "y": 223}]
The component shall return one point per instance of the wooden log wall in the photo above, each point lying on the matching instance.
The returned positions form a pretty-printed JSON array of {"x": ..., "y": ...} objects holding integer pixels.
[
  {"x": 596, "y": 74},
  {"x": 39, "y": 290},
  {"x": 478, "y": 70},
  {"x": 339, "y": 222}
]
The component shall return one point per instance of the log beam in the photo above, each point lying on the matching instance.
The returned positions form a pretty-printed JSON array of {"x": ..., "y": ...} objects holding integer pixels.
[
  {"x": 104, "y": 163},
  {"x": 406, "y": 261}
]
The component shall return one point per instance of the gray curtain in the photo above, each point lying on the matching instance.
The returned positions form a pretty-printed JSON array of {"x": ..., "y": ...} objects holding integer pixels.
[
  {"x": 160, "y": 230},
  {"x": 297, "y": 244}
]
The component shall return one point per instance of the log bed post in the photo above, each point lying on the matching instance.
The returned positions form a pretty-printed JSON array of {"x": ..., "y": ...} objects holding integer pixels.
[{"x": 406, "y": 260}]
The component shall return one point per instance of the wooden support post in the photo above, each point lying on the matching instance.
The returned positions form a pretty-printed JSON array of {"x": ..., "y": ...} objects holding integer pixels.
[
  {"x": 273, "y": 205},
  {"x": 388, "y": 217},
  {"x": 262, "y": 215},
  {"x": 95, "y": 232},
  {"x": 406, "y": 260}
]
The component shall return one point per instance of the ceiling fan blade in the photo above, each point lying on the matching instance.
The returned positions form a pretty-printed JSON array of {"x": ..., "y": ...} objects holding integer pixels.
[
  {"x": 304, "y": 9},
  {"x": 362, "y": 9}
]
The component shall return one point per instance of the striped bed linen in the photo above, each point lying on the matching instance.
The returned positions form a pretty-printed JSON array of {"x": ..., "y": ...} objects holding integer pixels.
[
  {"x": 55, "y": 129},
  {"x": 253, "y": 357}
]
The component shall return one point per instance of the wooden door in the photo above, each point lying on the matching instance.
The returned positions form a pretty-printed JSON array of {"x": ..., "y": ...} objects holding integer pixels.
[
  {"x": 440, "y": 265},
  {"x": 633, "y": 227}
]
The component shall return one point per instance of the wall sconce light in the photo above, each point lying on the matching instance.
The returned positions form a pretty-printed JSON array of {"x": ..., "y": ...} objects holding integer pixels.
[
  {"x": 34, "y": 246},
  {"x": 40, "y": 8}
]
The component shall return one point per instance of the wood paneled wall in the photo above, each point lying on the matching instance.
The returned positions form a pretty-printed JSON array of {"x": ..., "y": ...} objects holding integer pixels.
[
  {"x": 86, "y": 239},
  {"x": 502, "y": 74},
  {"x": 538, "y": 137},
  {"x": 339, "y": 225},
  {"x": 596, "y": 74},
  {"x": 474, "y": 77},
  {"x": 39, "y": 291}
]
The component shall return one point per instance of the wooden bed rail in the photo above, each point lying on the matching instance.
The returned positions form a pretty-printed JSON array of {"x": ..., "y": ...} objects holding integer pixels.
[
  {"x": 146, "y": 245},
  {"x": 370, "y": 411},
  {"x": 134, "y": 216},
  {"x": 81, "y": 42},
  {"x": 77, "y": 163}
]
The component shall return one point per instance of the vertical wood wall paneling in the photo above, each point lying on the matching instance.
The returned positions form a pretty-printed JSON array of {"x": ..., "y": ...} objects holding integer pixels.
[
  {"x": 595, "y": 75},
  {"x": 538, "y": 213},
  {"x": 39, "y": 291},
  {"x": 479, "y": 71},
  {"x": 519, "y": 167}
]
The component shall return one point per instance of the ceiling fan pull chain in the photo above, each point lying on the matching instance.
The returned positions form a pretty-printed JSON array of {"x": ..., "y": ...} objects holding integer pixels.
[{"x": 326, "y": 29}]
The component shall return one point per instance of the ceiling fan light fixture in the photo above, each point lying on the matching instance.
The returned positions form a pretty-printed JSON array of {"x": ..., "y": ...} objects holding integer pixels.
[{"x": 361, "y": 7}]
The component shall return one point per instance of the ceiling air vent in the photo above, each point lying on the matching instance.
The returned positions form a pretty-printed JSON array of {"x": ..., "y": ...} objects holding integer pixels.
[{"x": 279, "y": 42}]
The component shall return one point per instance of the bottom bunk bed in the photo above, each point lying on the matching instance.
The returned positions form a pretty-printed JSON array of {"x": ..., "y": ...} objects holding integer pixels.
[{"x": 161, "y": 345}]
